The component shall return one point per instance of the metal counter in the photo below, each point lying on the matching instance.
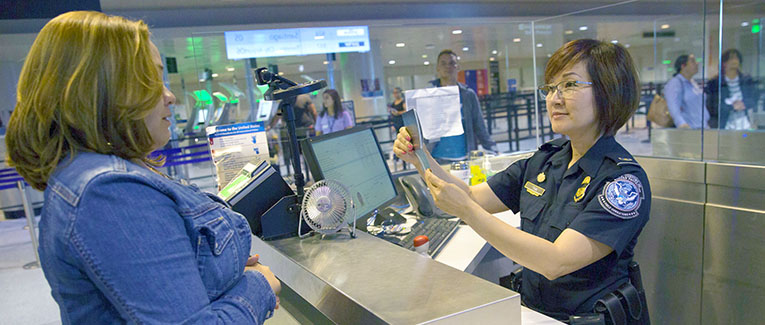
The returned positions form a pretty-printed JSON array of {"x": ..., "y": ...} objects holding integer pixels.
[
  {"x": 366, "y": 280},
  {"x": 702, "y": 251}
]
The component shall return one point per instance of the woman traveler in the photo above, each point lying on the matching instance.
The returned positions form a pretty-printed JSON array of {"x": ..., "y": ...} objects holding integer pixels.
[
  {"x": 730, "y": 102},
  {"x": 333, "y": 117},
  {"x": 119, "y": 241},
  {"x": 583, "y": 201}
]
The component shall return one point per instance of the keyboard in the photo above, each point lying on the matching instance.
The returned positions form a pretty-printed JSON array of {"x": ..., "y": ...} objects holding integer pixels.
[{"x": 438, "y": 231}]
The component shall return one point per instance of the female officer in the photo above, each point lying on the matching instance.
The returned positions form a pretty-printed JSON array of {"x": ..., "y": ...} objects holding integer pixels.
[
  {"x": 119, "y": 242},
  {"x": 583, "y": 201}
]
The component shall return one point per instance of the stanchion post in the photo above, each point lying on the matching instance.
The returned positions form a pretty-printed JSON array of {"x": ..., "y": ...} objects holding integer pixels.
[{"x": 30, "y": 214}]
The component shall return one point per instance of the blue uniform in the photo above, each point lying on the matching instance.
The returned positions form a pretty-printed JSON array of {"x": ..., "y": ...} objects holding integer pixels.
[{"x": 604, "y": 196}]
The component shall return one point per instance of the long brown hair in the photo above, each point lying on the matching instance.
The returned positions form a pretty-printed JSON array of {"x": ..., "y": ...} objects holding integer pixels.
[
  {"x": 86, "y": 85},
  {"x": 337, "y": 105}
]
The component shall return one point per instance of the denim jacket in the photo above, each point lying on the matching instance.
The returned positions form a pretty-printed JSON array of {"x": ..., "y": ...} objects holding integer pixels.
[{"x": 122, "y": 244}]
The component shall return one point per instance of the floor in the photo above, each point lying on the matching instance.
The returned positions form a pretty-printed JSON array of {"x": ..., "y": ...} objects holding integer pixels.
[{"x": 25, "y": 295}]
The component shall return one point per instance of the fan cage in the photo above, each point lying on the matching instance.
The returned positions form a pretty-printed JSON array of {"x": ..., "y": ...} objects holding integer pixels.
[{"x": 327, "y": 206}]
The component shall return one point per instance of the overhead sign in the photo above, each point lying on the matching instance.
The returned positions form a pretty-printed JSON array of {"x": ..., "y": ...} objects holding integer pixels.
[{"x": 296, "y": 41}]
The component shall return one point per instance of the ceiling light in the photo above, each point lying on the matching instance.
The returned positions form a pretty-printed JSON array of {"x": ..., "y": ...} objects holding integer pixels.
[
  {"x": 325, "y": 62},
  {"x": 215, "y": 75},
  {"x": 665, "y": 26},
  {"x": 318, "y": 37},
  {"x": 392, "y": 62},
  {"x": 568, "y": 32},
  {"x": 457, "y": 32},
  {"x": 424, "y": 56},
  {"x": 539, "y": 44},
  {"x": 281, "y": 73},
  {"x": 494, "y": 52},
  {"x": 744, "y": 24},
  {"x": 426, "y": 63},
  {"x": 582, "y": 28},
  {"x": 202, "y": 80},
  {"x": 516, "y": 40},
  {"x": 627, "y": 45},
  {"x": 613, "y": 41},
  {"x": 465, "y": 49},
  {"x": 491, "y": 58},
  {"x": 549, "y": 55},
  {"x": 230, "y": 69},
  {"x": 400, "y": 44},
  {"x": 459, "y": 58},
  {"x": 301, "y": 68}
]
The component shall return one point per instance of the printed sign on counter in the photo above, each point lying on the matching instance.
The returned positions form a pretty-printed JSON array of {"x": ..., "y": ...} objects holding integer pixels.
[{"x": 233, "y": 146}]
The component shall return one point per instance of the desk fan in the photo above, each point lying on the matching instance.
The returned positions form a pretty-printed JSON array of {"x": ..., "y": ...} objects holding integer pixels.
[{"x": 327, "y": 207}]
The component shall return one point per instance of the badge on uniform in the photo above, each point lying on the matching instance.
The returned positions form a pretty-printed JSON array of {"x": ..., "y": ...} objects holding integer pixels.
[
  {"x": 534, "y": 189},
  {"x": 541, "y": 177},
  {"x": 579, "y": 195},
  {"x": 622, "y": 196}
]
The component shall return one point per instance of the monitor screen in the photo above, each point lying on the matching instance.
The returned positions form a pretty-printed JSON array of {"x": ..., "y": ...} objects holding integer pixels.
[
  {"x": 353, "y": 158},
  {"x": 348, "y": 106},
  {"x": 265, "y": 107}
]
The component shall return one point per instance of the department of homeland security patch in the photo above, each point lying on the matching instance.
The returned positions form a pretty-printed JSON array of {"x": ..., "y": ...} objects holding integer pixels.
[{"x": 622, "y": 196}]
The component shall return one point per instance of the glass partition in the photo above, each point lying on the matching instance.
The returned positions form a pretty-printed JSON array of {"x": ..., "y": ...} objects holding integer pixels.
[
  {"x": 504, "y": 64},
  {"x": 735, "y": 88},
  {"x": 655, "y": 43},
  {"x": 494, "y": 59}
]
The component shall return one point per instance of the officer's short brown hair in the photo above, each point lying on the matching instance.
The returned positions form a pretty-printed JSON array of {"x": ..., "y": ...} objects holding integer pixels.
[{"x": 615, "y": 82}]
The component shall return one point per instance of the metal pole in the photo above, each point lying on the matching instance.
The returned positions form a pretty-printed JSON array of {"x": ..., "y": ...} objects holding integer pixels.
[
  {"x": 31, "y": 223},
  {"x": 536, "y": 93},
  {"x": 250, "y": 88}
]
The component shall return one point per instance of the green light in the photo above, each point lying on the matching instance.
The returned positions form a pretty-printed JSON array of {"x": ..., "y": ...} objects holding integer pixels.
[
  {"x": 203, "y": 96},
  {"x": 666, "y": 62},
  {"x": 756, "y": 28},
  {"x": 234, "y": 100},
  {"x": 196, "y": 127},
  {"x": 315, "y": 93},
  {"x": 755, "y": 21},
  {"x": 698, "y": 60}
]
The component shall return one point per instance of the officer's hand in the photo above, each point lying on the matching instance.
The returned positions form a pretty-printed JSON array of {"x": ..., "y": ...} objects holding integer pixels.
[
  {"x": 404, "y": 149},
  {"x": 447, "y": 196}
]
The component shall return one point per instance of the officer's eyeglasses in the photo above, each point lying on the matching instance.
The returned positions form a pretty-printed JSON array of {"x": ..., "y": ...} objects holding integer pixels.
[{"x": 564, "y": 87}]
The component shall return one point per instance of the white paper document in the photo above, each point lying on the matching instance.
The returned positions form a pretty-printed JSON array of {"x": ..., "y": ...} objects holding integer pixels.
[
  {"x": 438, "y": 110},
  {"x": 233, "y": 146}
]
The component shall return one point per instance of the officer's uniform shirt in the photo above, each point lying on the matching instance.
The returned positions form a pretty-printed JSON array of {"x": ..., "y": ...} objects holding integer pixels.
[{"x": 605, "y": 196}]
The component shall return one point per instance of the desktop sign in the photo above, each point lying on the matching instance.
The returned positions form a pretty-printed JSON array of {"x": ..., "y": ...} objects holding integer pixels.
[
  {"x": 295, "y": 41},
  {"x": 233, "y": 146}
]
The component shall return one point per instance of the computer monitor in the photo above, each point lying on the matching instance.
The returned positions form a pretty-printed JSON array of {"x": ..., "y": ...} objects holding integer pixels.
[
  {"x": 353, "y": 158},
  {"x": 265, "y": 108},
  {"x": 348, "y": 106}
]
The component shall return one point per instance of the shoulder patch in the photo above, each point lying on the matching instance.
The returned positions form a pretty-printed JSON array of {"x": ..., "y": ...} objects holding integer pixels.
[{"x": 622, "y": 196}]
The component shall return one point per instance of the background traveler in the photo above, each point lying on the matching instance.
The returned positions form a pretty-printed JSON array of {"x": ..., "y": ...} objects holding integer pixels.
[
  {"x": 684, "y": 96},
  {"x": 737, "y": 96},
  {"x": 333, "y": 117},
  {"x": 456, "y": 148}
]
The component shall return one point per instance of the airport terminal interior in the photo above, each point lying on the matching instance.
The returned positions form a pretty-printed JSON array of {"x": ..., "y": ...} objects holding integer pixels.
[{"x": 700, "y": 254}]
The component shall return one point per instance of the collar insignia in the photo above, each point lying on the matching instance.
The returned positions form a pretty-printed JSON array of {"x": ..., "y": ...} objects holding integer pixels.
[{"x": 579, "y": 195}]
